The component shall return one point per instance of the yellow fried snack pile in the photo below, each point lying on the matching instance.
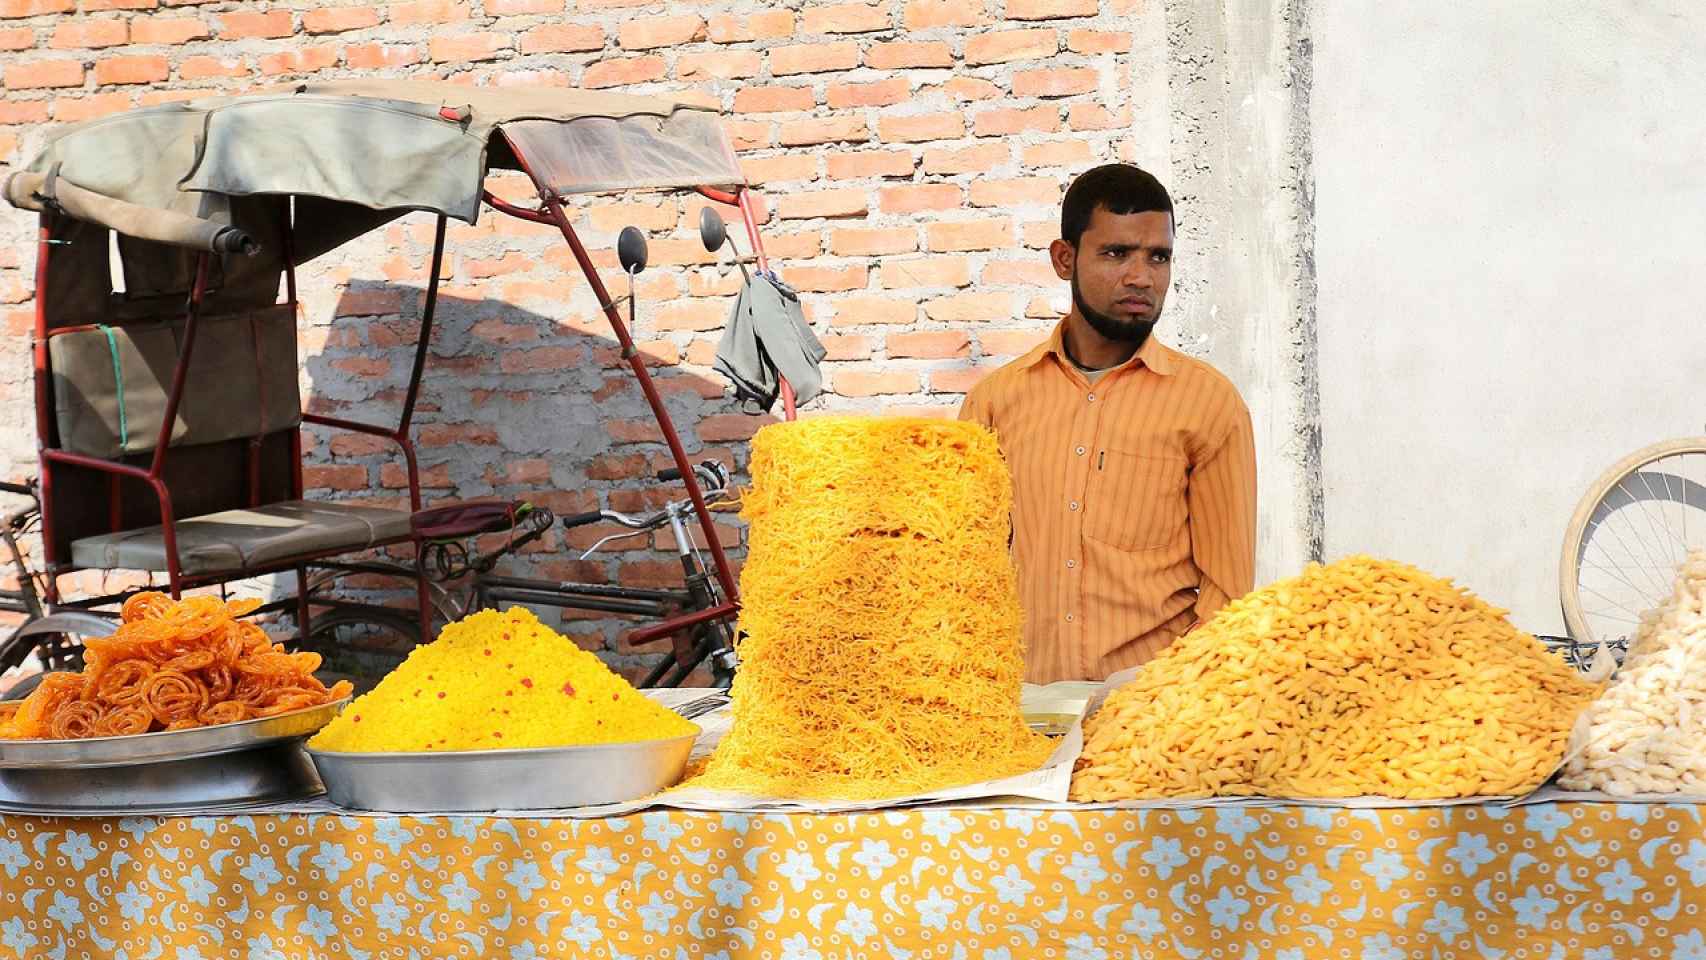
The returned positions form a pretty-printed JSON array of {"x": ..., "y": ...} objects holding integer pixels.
[
  {"x": 1647, "y": 734},
  {"x": 1363, "y": 677},
  {"x": 883, "y": 653},
  {"x": 496, "y": 681}
]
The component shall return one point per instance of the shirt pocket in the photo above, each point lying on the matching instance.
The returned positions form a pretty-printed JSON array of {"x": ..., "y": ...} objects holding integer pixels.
[{"x": 1136, "y": 502}]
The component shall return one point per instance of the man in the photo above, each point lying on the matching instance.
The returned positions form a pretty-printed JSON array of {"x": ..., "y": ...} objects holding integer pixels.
[{"x": 1134, "y": 466}]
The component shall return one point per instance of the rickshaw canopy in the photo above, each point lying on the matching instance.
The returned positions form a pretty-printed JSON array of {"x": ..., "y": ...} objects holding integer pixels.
[{"x": 355, "y": 154}]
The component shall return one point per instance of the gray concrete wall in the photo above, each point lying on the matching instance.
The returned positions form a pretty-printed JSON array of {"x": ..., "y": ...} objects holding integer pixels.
[{"x": 1510, "y": 229}]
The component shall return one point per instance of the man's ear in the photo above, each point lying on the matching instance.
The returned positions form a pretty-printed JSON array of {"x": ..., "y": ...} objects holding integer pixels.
[{"x": 1062, "y": 255}]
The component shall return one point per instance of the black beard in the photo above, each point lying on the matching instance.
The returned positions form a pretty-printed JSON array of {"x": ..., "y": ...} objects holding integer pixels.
[{"x": 1131, "y": 331}]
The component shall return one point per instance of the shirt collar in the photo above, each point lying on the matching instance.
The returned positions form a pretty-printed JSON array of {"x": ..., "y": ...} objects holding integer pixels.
[{"x": 1153, "y": 354}]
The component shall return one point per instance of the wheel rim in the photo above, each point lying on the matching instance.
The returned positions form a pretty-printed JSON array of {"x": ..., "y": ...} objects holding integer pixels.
[{"x": 1629, "y": 535}]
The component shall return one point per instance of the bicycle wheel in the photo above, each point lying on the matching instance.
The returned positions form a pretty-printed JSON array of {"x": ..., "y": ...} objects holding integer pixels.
[
  {"x": 1630, "y": 532},
  {"x": 360, "y": 646}
]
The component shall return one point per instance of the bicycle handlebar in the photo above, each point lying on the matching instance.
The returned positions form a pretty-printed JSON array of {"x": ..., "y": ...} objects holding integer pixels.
[{"x": 21, "y": 489}]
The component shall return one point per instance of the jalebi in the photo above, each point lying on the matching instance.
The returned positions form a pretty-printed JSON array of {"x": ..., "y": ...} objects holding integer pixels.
[{"x": 171, "y": 665}]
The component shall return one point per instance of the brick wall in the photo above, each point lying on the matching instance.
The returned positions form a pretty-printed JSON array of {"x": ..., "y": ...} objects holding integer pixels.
[{"x": 911, "y": 155}]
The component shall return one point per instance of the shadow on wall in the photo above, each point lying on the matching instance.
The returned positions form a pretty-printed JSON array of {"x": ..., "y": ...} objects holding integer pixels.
[{"x": 518, "y": 405}]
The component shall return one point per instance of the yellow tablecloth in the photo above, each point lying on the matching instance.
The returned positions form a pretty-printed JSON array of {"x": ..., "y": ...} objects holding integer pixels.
[{"x": 1555, "y": 881}]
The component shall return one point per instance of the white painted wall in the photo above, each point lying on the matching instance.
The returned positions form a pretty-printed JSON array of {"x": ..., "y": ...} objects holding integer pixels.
[{"x": 1511, "y": 253}]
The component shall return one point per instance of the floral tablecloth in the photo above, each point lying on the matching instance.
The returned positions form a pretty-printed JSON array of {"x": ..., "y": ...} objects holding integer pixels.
[{"x": 1576, "y": 880}]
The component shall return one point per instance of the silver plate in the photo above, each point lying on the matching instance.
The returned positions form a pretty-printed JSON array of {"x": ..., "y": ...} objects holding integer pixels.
[
  {"x": 271, "y": 773},
  {"x": 165, "y": 746},
  {"x": 466, "y": 781}
]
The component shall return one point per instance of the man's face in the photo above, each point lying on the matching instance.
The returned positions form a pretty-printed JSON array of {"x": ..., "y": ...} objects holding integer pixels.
[{"x": 1119, "y": 271}]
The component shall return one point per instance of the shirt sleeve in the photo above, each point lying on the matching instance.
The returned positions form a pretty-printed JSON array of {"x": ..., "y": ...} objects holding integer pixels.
[
  {"x": 1222, "y": 502},
  {"x": 975, "y": 407}
]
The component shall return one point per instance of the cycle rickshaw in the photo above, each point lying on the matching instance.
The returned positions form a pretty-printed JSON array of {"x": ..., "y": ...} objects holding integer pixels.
[{"x": 169, "y": 415}]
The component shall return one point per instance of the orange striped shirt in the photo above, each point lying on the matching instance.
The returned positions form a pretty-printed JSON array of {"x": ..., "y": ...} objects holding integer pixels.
[{"x": 1134, "y": 502}]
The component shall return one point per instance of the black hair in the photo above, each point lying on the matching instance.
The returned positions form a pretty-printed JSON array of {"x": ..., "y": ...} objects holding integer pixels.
[{"x": 1115, "y": 187}]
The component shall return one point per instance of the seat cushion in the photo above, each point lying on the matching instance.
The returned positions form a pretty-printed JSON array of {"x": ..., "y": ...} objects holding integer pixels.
[{"x": 235, "y": 540}]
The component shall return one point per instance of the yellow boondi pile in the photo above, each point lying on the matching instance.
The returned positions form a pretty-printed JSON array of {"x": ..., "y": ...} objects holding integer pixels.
[
  {"x": 882, "y": 654},
  {"x": 1364, "y": 677},
  {"x": 498, "y": 681}
]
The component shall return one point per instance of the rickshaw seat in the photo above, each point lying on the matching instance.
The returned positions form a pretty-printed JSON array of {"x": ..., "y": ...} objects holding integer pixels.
[{"x": 247, "y": 539}]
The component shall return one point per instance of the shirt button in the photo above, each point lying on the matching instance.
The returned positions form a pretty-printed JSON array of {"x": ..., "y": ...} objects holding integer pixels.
[
  {"x": 1092, "y": 398},
  {"x": 1071, "y": 563},
  {"x": 1079, "y": 451},
  {"x": 1069, "y": 618},
  {"x": 1073, "y": 505}
]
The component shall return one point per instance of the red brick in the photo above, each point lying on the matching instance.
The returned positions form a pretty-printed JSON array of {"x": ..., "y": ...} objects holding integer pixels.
[
  {"x": 782, "y": 169},
  {"x": 494, "y": 330},
  {"x": 870, "y": 163},
  {"x": 1015, "y": 192},
  {"x": 873, "y": 242},
  {"x": 518, "y": 8},
  {"x": 813, "y": 58},
  {"x": 965, "y": 307},
  {"x": 534, "y": 471},
  {"x": 958, "y": 381},
  {"x": 146, "y": 69},
  {"x": 768, "y": 25},
  {"x": 924, "y": 272},
  {"x": 23, "y": 111},
  {"x": 17, "y": 38},
  {"x": 334, "y": 476},
  {"x": 339, "y": 19},
  {"x": 1006, "y": 121},
  {"x": 823, "y": 203},
  {"x": 1055, "y": 82},
  {"x": 32, "y": 8},
  {"x": 1098, "y": 41},
  {"x": 167, "y": 30},
  {"x": 1009, "y": 45},
  {"x": 774, "y": 99},
  {"x": 930, "y": 344},
  {"x": 1058, "y": 154},
  {"x": 925, "y": 14},
  {"x": 44, "y": 73},
  {"x": 1094, "y": 116},
  {"x": 649, "y": 33},
  {"x": 844, "y": 18},
  {"x": 204, "y": 68},
  {"x": 730, "y": 427},
  {"x": 1010, "y": 343},
  {"x": 690, "y": 315},
  {"x": 807, "y": 279},
  {"x": 907, "y": 54},
  {"x": 376, "y": 302},
  {"x": 468, "y": 47},
  {"x": 360, "y": 444},
  {"x": 549, "y": 359},
  {"x": 381, "y": 56},
  {"x": 979, "y": 159},
  {"x": 427, "y": 11},
  {"x": 241, "y": 25},
  {"x": 653, "y": 353},
  {"x": 833, "y": 130},
  {"x": 792, "y": 246},
  {"x": 76, "y": 109},
  {"x": 915, "y": 198},
  {"x": 84, "y": 34},
  {"x": 860, "y": 383},
  {"x": 971, "y": 88},
  {"x": 846, "y": 347},
  {"x": 1039, "y": 235},
  {"x": 301, "y": 60},
  {"x": 1050, "y": 9},
  {"x": 718, "y": 65},
  {"x": 883, "y": 93},
  {"x": 864, "y": 310},
  {"x": 563, "y": 38},
  {"x": 747, "y": 134},
  {"x": 89, "y": 6},
  {"x": 617, "y": 73},
  {"x": 921, "y": 127},
  {"x": 616, "y": 466},
  {"x": 395, "y": 476},
  {"x": 370, "y": 367},
  {"x": 1031, "y": 272},
  {"x": 960, "y": 235},
  {"x": 450, "y": 434}
]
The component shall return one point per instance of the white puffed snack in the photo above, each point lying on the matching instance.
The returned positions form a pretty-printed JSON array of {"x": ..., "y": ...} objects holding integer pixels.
[{"x": 1647, "y": 733}]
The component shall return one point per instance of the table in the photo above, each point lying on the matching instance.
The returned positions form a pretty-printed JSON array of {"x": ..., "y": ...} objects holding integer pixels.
[{"x": 1553, "y": 880}]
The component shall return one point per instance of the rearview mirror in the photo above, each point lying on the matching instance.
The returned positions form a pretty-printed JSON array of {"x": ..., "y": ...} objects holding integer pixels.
[
  {"x": 712, "y": 231},
  {"x": 631, "y": 250}
]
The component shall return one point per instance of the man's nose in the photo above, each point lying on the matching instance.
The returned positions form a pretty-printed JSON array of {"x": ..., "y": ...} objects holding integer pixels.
[{"x": 1140, "y": 274}]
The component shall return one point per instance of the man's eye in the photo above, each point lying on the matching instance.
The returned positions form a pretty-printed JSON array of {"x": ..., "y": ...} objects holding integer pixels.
[{"x": 1162, "y": 258}]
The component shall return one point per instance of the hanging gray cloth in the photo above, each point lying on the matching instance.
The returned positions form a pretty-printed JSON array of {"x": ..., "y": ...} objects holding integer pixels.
[{"x": 767, "y": 334}]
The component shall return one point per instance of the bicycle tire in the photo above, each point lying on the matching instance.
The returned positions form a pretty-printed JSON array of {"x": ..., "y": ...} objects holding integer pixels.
[
  {"x": 1569, "y": 592},
  {"x": 334, "y": 635}
]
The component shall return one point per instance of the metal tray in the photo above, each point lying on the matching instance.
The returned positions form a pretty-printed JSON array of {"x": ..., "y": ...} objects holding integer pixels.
[
  {"x": 165, "y": 746},
  {"x": 465, "y": 781},
  {"x": 271, "y": 773}
]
